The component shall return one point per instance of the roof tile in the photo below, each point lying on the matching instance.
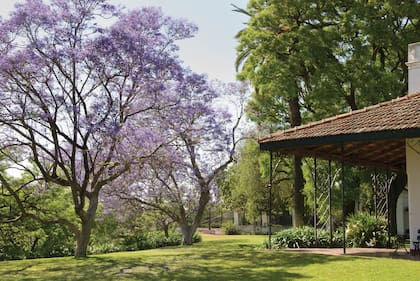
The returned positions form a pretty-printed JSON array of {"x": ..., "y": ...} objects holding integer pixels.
[{"x": 398, "y": 114}]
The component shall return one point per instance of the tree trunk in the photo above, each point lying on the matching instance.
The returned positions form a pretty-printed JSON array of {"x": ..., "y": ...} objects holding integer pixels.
[
  {"x": 351, "y": 98},
  {"x": 298, "y": 182},
  {"x": 83, "y": 239},
  {"x": 188, "y": 229},
  {"x": 187, "y": 234},
  {"x": 166, "y": 229},
  {"x": 299, "y": 202},
  {"x": 210, "y": 217},
  {"x": 87, "y": 219}
]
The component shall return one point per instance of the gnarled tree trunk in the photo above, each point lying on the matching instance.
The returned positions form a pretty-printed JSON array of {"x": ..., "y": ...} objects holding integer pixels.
[
  {"x": 188, "y": 229},
  {"x": 87, "y": 220},
  {"x": 187, "y": 234},
  {"x": 83, "y": 238}
]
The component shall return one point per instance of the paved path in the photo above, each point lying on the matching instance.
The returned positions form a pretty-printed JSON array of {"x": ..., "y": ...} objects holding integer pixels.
[{"x": 373, "y": 252}]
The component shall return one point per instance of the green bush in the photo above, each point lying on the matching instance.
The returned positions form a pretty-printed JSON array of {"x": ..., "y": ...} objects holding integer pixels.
[
  {"x": 153, "y": 240},
  {"x": 304, "y": 237},
  {"x": 27, "y": 239},
  {"x": 197, "y": 238},
  {"x": 106, "y": 235},
  {"x": 365, "y": 230},
  {"x": 229, "y": 228},
  {"x": 59, "y": 242}
]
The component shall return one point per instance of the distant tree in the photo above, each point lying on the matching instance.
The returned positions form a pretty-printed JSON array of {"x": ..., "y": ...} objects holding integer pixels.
[
  {"x": 248, "y": 192},
  {"x": 79, "y": 98},
  {"x": 244, "y": 186},
  {"x": 180, "y": 179},
  {"x": 36, "y": 219},
  {"x": 25, "y": 196}
]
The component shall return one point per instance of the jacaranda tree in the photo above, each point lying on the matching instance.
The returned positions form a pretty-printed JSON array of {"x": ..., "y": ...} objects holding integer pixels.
[
  {"x": 180, "y": 179},
  {"x": 81, "y": 83}
]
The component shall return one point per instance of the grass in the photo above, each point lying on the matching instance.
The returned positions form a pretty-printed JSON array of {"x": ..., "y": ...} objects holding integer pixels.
[{"x": 216, "y": 258}]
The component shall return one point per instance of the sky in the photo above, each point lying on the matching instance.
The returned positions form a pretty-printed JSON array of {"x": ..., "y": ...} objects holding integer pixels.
[{"x": 212, "y": 50}]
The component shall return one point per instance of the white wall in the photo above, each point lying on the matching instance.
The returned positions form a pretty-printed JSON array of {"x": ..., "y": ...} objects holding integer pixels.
[
  {"x": 413, "y": 68},
  {"x": 413, "y": 174},
  {"x": 235, "y": 218}
]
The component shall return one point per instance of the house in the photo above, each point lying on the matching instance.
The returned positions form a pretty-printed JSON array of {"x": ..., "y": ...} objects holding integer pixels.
[{"x": 385, "y": 135}]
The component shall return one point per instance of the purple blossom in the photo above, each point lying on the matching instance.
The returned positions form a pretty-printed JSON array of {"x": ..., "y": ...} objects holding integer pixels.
[{"x": 93, "y": 104}]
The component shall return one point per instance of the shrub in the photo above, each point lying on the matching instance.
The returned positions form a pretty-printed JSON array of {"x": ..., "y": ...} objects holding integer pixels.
[
  {"x": 304, "y": 237},
  {"x": 299, "y": 237},
  {"x": 153, "y": 240},
  {"x": 365, "y": 230},
  {"x": 27, "y": 239},
  {"x": 59, "y": 242},
  {"x": 229, "y": 228},
  {"x": 197, "y": 238},
  {"x": 106, "y": 235}
]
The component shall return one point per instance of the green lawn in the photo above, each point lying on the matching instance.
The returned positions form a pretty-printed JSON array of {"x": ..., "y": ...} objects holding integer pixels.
[{"x": 217, "y": 258}]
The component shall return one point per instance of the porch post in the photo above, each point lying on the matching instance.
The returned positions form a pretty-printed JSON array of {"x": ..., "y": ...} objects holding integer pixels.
[
  {"x": 375, "y": 193},
  {"x": 315, "y": 204},
  {"x": 342, "y": 198},
  {"x": 388, "y": 211},
  {"x": 330, "y": 201},
  {"x": 270, "y": 187}
]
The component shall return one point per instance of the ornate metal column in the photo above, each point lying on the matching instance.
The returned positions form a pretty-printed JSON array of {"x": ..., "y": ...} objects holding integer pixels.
[
  {"x": 381, "y": 187},
  {"x": 323, "y": 182},
  {"x": 342, "y": 199},
  {"x": 315, "y": 205},
  {"x": 270, "y": 199}
]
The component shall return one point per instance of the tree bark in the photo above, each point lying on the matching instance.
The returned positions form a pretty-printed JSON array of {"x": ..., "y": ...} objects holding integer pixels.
[
  {"x": 87, "y": 220},
  {"x": 351, "y": 98},
  {"x": 166, "y": 230},
  {"x": 299, "y": 202},
  {"x": 83, "y": 239},
  {"x": 188, "y": 229},
  {"x": 298, "y": 182},
  {"x": 187, "y": 233}
]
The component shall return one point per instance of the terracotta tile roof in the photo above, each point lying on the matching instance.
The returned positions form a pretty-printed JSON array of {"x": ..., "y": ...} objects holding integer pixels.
[
  {"x": 373, "y": 136},
  {"x": 399, "y": 114}
]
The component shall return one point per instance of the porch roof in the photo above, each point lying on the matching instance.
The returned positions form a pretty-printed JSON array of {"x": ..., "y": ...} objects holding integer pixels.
[{"x": 373, "y": 136}]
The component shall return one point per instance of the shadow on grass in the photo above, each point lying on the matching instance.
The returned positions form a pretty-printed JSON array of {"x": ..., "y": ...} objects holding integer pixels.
[
  {"x": 255, "y": 265},
  {"x": 211, "y": 260},
  {"x": 19, "y": 270}
]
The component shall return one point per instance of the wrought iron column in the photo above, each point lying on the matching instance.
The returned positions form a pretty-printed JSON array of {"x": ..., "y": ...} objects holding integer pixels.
[
  {"x": 382, "y": 187},
  {"x": 330, "y": 201},
  {"x": 388, "y": 211},
  {"x": 375, "y": 193},
  {"x": 315, "y": 204},
  {"x": 270, "y": 187},
  {"x": 342, "y": 198}
]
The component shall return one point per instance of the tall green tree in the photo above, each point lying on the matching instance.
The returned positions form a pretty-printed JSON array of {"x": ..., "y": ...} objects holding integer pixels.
[
  {"x": 272, "y": 54},
  {"x": 249, "y": 191},
  {"x": 245, "y": 184},
  {"x": 311, "y": 59}
]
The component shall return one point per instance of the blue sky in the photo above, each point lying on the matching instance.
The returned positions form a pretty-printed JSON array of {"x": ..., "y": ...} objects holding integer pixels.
[{"x": 212, "y": 50}]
